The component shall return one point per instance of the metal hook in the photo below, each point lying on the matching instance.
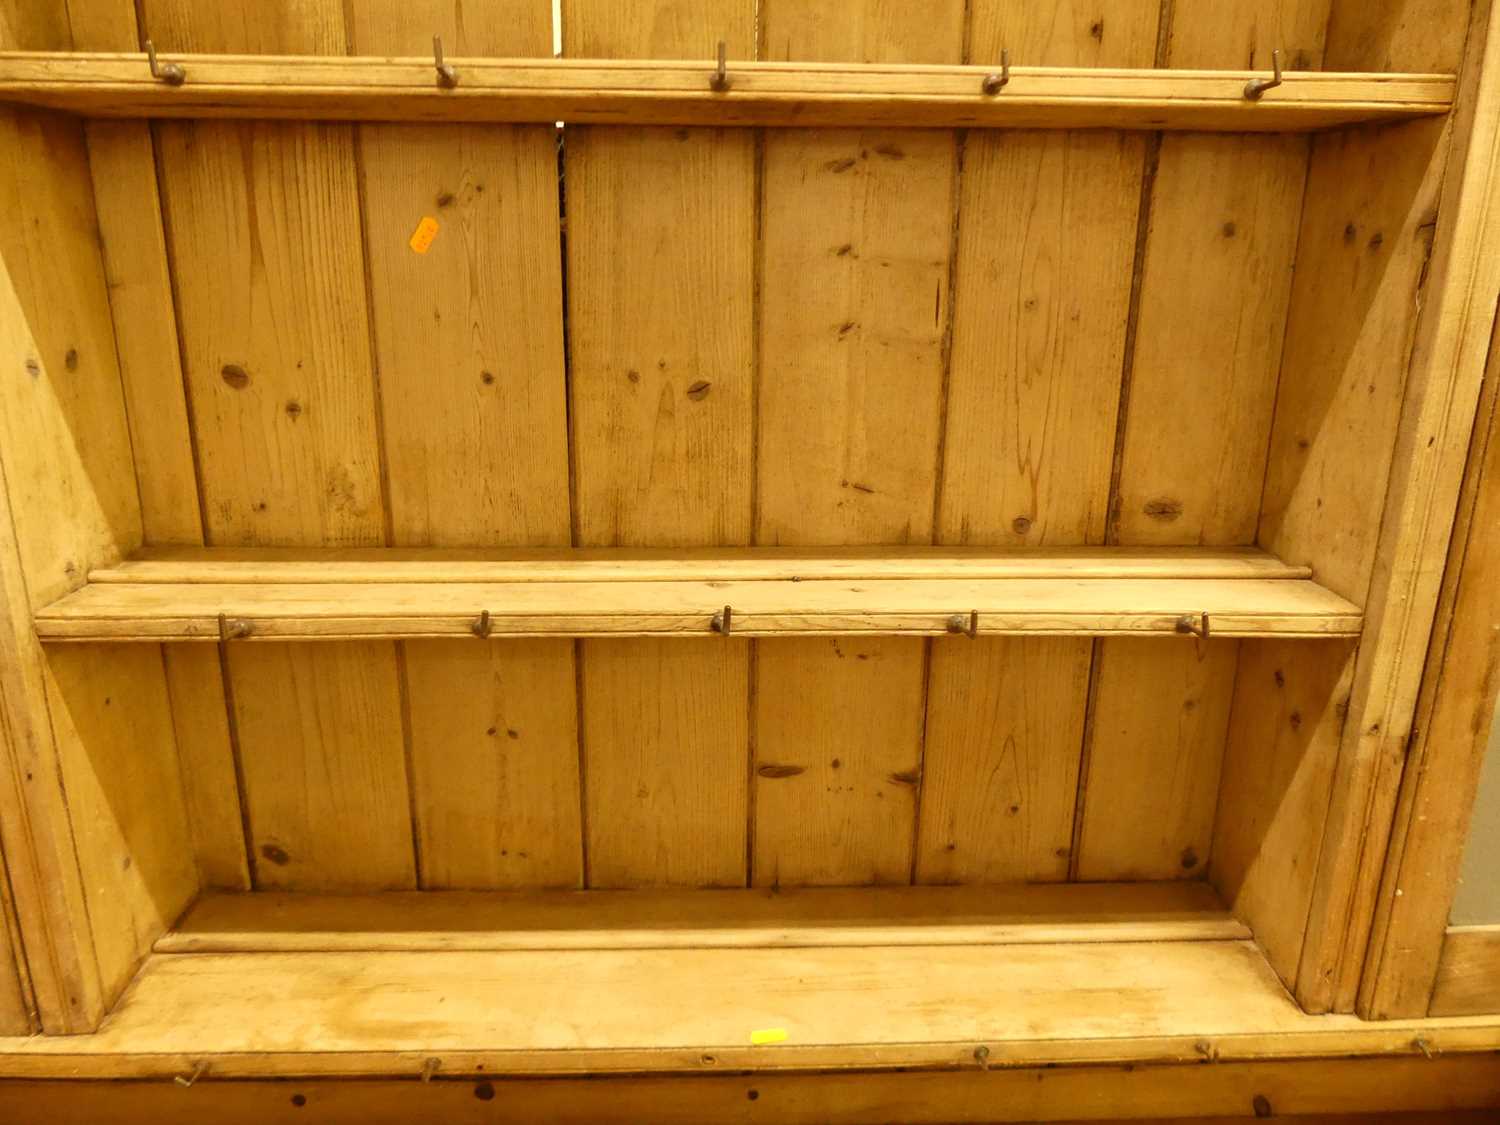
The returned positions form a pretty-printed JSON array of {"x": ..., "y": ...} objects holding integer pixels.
[
  {"x": 1194, "y": 624},
  {"x": 723, "y": 621},
  {"x": 186, "y": 1080},
  {"x": 447, "y": 76},
  {"x": 480, "y": 626},
  {"x": 720, "y": 80},
  {"x": 1258, "y": 86},
  {"x": 968, "y": 626},
  {"x": 429, "y": 1068},
  {"x": 994, "y": 82},
  {"x": 171, "y": 73},
  {"x": 233, "y": 628}
]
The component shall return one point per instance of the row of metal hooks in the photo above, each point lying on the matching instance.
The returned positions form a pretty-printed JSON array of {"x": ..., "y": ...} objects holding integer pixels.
[
  {"x": 173, "y": 74},
  {"x": 722, "y": 622}
]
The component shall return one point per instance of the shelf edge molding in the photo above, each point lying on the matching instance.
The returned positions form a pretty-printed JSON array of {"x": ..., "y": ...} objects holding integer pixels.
[
  {"x": 1186, "y": 596},
  {"x": 678, "y": 92}
]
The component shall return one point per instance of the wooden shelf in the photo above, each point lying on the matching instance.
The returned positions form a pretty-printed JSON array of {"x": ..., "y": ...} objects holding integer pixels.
[
  {"x": 497, "y": 983},
  {"x": 678, "y": 93},
  {"x": 279, "y": 595}
]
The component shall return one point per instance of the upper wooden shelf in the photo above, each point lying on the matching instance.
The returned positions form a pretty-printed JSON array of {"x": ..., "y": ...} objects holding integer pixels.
[
  {"x": 208, "y": 595},
  {"x": 678, "y": 93}
]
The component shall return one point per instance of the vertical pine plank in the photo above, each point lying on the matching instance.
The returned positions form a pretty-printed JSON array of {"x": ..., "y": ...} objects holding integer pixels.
[
  {"x": 263, "y": 222},
  {"x": 855, "y": 259},
  {"x": 661, "y": 229},
  {"x": 1046, "y": 249},
  {"x": 1153, "y": 777},
  {"x": 122, "y": 161},
  {"x": 1196, "y": 431},
  {"x": 469, "y": 347}
]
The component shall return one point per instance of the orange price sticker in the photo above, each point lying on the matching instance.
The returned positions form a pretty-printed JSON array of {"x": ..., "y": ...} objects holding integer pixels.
[{"x": 422, "y": 237}]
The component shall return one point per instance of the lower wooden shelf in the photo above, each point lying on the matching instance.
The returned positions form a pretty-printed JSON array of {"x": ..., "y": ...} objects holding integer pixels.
[
  {"x": 550, "y": 983},
  {"x": 310, "y": 595}
]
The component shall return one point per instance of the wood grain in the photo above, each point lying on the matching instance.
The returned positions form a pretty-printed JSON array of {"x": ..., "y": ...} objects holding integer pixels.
[
  {"x": 1468, "y": 974},
  {"x": 779, "y": 917},
  {"x": 469, "y": 346},
  {"x": 838, "y": 753},
  {"x": 666, "y": 747},
  {"x": 660, "y": 345},
  {"x": 1289, "y": 713},
  {"x": 325, "y": 780},
  {"x": 263, "y": 223},
  {"x": 1000, "y": 765},
  {"x": 112, "y": 721},
  {"x": 1153, "y": 772},
  {"x": 856, "y": 233},
  {"x": 1015, "y": 1094}
]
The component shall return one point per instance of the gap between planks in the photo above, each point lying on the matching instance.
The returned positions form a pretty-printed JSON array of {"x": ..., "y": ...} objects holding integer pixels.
[{"x": 439, "y": 921}]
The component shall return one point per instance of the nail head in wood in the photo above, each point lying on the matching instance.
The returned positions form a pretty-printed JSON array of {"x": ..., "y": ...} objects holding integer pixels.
[
  {"x": 171, "y": 73},
  {"x": 447, "y": 77},
  {"x": 720, "y": 80},
  {"x": 1258, "y": 86},
  {"x": 997, "y": 80}
]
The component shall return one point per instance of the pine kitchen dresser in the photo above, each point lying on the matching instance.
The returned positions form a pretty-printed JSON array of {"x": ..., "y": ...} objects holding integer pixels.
[{"x": 792, "y": 560}]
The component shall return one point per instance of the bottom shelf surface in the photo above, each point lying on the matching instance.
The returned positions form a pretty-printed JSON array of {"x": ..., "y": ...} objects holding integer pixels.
[{"x": 544, "y": 983}]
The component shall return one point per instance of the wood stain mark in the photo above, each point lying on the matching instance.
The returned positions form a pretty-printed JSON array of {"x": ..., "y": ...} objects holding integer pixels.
[{"x": 773, "y": 770}]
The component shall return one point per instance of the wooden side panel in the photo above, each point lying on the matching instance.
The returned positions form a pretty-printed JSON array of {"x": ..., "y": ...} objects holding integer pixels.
[
  {"x": 1290, "y": 703},
  {"x": 1046, "y": 246},
  {"x": 112, "y": 720},
  {"x": 856, "y": 236},
  {"x": 15, "y": 992},
  {"x": 661, "y": 228},
  {"x": 263, "y": 224},
  {"x": 469, "y": 346},
  {"x": 1350, "y": 421},
  {"x": 1212, "y": 308},
  {"x": 94, "y": 880},
  {"x": 1431, "y": 841}
]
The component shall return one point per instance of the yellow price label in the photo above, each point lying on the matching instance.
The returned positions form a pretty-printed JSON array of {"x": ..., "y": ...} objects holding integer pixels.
[{"x": 422, "y": 237}]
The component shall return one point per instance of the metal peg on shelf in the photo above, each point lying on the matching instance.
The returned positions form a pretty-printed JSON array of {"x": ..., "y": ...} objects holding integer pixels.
[
  {"x": 723, "y": 621},
  {"x": 480, "y": 626},
  {"x": 997, "y": 80},
  {"x": 233, "y": 628},
  {"x": 1258, "y": 86},
  {"x": 1193, "y": 624},
  {"x": 171, "y": 73},
  {"x": 720, "y": 80},
  {"x": 966, "y": 625},
  {"x": 186, "y": 1080},
  {"x": 447, "y": 77}
]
